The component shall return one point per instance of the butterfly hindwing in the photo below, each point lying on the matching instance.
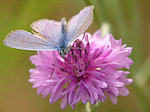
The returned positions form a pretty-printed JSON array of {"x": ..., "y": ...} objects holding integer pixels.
[{"x": 50, "y": 29}]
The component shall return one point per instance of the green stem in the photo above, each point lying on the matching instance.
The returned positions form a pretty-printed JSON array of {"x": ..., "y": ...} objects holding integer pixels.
[
  {"x": 88, "y": 107},
  {"x": 143, "y": 75},
  {"x": 105, "y": 29},
  {"x": 95, "y": 107},
  {"x": 97, "y": 16},
  {"x": 144, "y": 103},
  {"x": 141, "y": 79},
  {"x": 78, "y": 108}
]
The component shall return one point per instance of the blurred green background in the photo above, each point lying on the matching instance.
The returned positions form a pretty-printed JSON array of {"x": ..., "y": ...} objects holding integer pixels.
[{"x": 128, "y": 19}]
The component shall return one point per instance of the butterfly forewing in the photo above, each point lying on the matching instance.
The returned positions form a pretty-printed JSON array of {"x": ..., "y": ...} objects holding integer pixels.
[
  {"x": 79, "y": 23},
  {"x": 21, "y": 39}
]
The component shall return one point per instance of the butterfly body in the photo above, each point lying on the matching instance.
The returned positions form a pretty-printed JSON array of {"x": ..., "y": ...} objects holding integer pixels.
[
  {"x": 51, "y": 35},
  {"x": 63, "y": 40}
]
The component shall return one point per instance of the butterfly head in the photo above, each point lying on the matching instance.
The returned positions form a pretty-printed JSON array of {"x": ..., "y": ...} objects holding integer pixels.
[{"x": 63, "y": 53}]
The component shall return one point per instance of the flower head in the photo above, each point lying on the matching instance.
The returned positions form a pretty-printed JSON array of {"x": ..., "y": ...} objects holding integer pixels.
[{"x": 90, "y": 70}]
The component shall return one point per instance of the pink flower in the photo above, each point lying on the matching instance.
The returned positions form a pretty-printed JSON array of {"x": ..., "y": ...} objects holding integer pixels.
[{"x": 90, "y": 70}]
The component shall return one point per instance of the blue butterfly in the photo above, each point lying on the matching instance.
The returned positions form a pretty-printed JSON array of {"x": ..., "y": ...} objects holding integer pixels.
[{"x": 50, "y": 34}]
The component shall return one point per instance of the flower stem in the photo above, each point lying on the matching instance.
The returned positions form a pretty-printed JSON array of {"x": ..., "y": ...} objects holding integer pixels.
[
  {"x": 95, "y": 106},
  {"x": 87, "y": 107},
  {"x": 78, "y": 108},
  {"x": 97, "y": 16},
  {"x": 105, "y": 28},
  {"x": 141, "y": 78},
  {"x": 143, "y": 100}
]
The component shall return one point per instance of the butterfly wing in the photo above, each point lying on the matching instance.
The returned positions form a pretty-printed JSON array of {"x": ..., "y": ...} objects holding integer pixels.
[
  {"x": 49, "y": 33},
  {"x": 24, "y": 40},
  {"x": 50, "y": 29},
  {"x": 79, "y": 23}
]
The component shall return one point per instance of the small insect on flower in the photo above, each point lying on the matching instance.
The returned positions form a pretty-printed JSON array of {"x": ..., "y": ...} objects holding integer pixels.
[
  {"x": 90, "y": 73},
  {"x": 51, "y": 35}
]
